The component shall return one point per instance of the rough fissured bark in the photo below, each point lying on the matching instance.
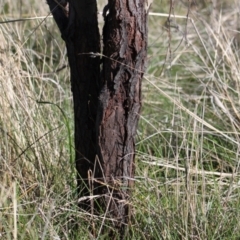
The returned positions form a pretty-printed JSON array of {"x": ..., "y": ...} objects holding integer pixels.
[{"x": 125, "y": 49}]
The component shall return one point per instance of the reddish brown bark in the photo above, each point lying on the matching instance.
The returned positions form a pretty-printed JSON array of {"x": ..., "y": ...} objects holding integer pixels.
[{"x": 125, "y": 49}]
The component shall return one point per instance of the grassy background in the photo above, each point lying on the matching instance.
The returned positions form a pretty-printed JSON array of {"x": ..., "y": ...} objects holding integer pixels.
[{"x": 187, "y": 165}]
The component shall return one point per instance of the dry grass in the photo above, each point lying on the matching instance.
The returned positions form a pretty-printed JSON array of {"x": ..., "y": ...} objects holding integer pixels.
[{"x": 187, "y": 167}]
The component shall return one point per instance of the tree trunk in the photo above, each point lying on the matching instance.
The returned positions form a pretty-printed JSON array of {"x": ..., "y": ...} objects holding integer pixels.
[
  {"x": 124, "y": 55},
  {"x": 85, "y": 80},
  {"x": 106, "y": 105},
  {"x": 77, "y": 21}
]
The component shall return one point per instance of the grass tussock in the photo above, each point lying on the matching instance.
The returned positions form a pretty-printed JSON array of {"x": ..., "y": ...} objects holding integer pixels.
[{"x": 187, "y": 165}]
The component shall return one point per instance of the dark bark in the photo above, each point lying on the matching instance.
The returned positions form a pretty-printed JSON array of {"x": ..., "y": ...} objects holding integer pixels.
[
  {"x": 106, "y": 115},
  {"x": 79, "y": 29},
  {"x": 85, "y": 80}
]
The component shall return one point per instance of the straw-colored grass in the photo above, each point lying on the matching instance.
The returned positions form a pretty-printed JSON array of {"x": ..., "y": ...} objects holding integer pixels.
[{"x": 187, "y": 164}]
